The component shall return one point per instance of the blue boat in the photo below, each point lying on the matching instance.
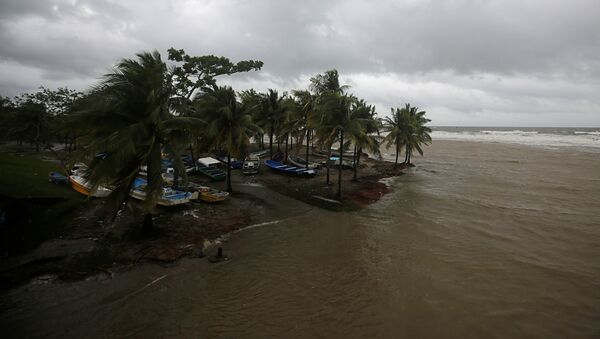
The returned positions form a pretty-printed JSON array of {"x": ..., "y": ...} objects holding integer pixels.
[
  {"x": 298, "y": 171},
  {"x": 234, "y": 163},
  {"x": 169, "y": 196},
  {"x": 58, "y": 178}
]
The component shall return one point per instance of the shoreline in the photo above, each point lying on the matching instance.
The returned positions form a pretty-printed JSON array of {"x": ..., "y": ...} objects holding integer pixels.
[{"x": 88, "y": 245}]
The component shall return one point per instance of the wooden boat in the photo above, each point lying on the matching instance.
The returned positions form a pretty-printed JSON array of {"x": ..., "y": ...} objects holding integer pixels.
[
  {"x": 251, "y": 165},
  {"x": 298, "y": 171},
  {"x": 301, "y": 162},
  {"x": 81, "y": 185},
  {"x": 208, "y": 167},
  {"x": 211, "y": 195},
  {"x": 58, "y": 178},
  {"x": 169, "y": 196}
]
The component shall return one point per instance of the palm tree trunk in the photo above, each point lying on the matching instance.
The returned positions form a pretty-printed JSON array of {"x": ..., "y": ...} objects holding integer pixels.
[
  {"x": 327, "y": 163},
  {"x": 271, "y": 143},
  {"x": 307, "y": 146},
  {"x": 354, "y": 161},
  {"x": 229, "y": 189},
  {"x": 406, "y": 155},
  {"x": 287, "y": 138},
  {"x": 339, "y": 192},
  {"x": 397, "y": 152}
]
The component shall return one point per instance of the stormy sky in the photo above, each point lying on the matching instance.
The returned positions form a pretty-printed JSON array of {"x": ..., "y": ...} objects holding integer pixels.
[{"x": 466, "y": 62}]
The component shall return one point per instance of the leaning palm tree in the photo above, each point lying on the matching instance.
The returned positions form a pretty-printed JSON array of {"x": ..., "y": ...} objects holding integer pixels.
[
  {"x": 128, "y": 120},
  {"x": 229, "y": 123}
]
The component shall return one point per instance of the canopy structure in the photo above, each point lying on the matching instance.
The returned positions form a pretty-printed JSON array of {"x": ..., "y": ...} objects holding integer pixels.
[{"x": 208, "y": 162}]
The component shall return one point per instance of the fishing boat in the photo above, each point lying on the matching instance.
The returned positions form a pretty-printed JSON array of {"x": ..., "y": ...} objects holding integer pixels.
[
  {"x": 169, "y": 196},
  {"x": 208, "y": 167},
  {"x": 81, "y": 185},
  {"x": 57, "y": 178},
  {"x": 208, "y": 194},
  {"x": 301, "y": 162},
  {"x": 234, "y": 163},
  {"x": 298, "y": 171},
  {"x": 279, "y": 156},
  {"x": 251, "y": 165},
  {"x": 261, "y": 154}
]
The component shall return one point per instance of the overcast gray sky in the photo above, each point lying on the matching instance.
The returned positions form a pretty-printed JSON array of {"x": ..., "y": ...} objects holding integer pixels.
[{"x": 466, "y": 62}]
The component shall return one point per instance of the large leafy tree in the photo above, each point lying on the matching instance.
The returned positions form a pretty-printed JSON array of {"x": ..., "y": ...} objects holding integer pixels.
[
  {"x": 128, "y": 120},
  {"x": 197, "y": 72},
  {"x": 31, "y": 122},
  {"x": 229, "y": 122}
]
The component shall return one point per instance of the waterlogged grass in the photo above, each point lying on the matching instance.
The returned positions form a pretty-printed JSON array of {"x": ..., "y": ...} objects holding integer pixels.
[{"x": 26, "y": 176}]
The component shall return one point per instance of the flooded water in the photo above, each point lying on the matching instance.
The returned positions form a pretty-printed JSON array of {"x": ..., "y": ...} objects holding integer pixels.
[{"x": 479, "y": 240}]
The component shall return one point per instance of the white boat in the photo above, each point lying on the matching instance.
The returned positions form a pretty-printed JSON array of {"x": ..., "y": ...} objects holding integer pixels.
[{"x": 169, "y": 196}]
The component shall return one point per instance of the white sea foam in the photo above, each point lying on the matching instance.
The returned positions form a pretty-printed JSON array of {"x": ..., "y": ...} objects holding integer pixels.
[{"x": 576, "y": 139}]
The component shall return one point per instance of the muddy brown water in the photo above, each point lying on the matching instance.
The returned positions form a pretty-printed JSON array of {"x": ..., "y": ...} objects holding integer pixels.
[{"x": 479, "y": 240}]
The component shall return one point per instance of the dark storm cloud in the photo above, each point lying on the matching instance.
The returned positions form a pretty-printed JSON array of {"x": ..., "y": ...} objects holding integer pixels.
[{"x": 471, "y": 59}]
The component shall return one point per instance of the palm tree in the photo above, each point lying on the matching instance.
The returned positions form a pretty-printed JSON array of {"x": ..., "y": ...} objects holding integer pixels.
[
  {"x": 397, "y": 127},
  {"x": 406, "y": 128},
  {"x": 271, "y": 115},
  {"x": 229, "y": 122},
  {"x": 305, "y": 111},
  {"x": 419, "y": 133},
  {"x": 128, "y": 119},
  {"x": 339, "y": 122},
  {"x": 364, "y": 137},
  {"x": 323, "y": 85}
]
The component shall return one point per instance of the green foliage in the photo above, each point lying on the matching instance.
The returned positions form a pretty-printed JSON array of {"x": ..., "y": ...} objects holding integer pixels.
[
  {"x": 406, "y": 128},
  {"x": 200, "y": 71},
  {"x": 128, "y": 120},
  {"x": 229, "y": 122}
]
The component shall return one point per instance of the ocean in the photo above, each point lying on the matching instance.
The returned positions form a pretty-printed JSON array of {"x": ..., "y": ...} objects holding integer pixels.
[{"x": 494, "y": 234}]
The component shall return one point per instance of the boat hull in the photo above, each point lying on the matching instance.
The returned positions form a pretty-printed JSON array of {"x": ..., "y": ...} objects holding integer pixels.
[{"x": 81, "y": 185}]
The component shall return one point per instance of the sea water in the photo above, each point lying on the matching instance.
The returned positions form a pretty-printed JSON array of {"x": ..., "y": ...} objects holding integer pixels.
[{"x": 484, "y": 238}]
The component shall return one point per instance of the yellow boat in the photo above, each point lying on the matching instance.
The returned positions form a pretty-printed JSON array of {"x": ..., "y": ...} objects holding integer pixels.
[{"x": 208, "y": 194}]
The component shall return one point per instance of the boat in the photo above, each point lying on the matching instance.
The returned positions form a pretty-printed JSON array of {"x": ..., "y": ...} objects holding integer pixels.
[
  {"x": 298, "y": 171},
  {"x": 169, "y": 196},
  {"x": 208, "y": 167},
  {"x": 251, "y": 165},
  {"x": 208, "y": 194},
  {"x": 57, "y": 178},
  {"x": 233, "y": 163},
  {"x": 81, "y": 185},
  {"x": 279, "y": 156},
  {"x": 261, "y": 154},
  {"x": 301, "y": 162}
]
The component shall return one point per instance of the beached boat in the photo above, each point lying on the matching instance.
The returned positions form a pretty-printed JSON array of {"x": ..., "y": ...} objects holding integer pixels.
[
  {"x": 169, "y": 196},
  {"x": 81, "y": 185},
  {"x": 279, "y": 156},
  {"x": 261, "y": 154},
  {"x": 301, "y": 162},
  {"x": 208, "y": 194},
  {"x": 251, "y": 165},
  {"x": 234, "y": 163},
  {"x": 58, "y": 178},
  {"x": 208, "y": 167},
  {"x": 298, "y": 171}
]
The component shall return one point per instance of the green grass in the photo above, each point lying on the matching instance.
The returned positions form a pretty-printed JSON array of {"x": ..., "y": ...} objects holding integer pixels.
[{"x": 26, "y": 176}]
